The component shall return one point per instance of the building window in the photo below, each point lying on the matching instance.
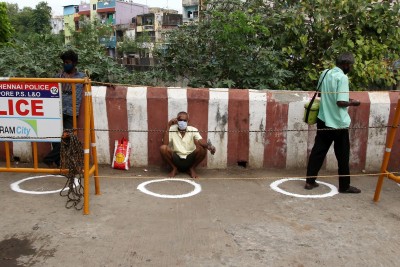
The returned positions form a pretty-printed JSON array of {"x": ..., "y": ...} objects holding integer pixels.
[{"x": 94, "y": 6}]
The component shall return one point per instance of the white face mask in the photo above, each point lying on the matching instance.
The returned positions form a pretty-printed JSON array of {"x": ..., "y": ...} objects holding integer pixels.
[{"x": 182, "y": 125}]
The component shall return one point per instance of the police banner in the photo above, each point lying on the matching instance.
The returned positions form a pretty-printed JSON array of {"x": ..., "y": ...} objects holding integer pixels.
[{"x": 30, "y": 112}]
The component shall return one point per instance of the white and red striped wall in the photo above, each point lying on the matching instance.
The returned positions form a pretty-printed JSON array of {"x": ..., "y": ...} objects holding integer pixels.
[{"x": 263, "y": 128}]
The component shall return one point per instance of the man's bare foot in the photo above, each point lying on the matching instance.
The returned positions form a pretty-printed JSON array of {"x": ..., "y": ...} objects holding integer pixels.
[
  {"x": 192, "y": 173},
  {"x": 173, "y": 172}
]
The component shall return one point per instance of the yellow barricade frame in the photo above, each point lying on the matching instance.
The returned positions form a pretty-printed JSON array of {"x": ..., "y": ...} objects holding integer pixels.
[
  {"x": 89, "y": 137},
  {"x": 386, "y": 157}
]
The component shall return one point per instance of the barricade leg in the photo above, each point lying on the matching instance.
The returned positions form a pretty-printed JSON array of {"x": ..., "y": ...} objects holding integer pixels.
[
  {"x": 8, "y": 160},
  {"x": 35, "y": 155},
  {"x": 86, "y": 151},
  {"x": 388, "y": 149},
  {"x": 94, "y": 148}
]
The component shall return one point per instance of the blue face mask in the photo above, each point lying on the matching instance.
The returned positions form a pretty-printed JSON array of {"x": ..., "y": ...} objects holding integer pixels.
[
  {"x": 182, "y": 125},
  {"x": 68, "y": 67}
]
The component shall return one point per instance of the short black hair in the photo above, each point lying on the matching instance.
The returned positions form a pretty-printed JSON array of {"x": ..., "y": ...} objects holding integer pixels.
[
  {"x": 345, "y": 58},
  {"x": 182, "y": 113},
  {"x": 69, "y": 55}
]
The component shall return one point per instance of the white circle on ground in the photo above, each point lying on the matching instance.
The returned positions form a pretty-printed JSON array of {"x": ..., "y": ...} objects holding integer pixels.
[
  {"x": 15, "y": 186},
  {"x": 275, "y": 186},
  {"x": 197, "y": 188}
]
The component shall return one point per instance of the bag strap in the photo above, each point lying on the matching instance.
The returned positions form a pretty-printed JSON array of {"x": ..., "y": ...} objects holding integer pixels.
[{"x": 313, "y": 98}]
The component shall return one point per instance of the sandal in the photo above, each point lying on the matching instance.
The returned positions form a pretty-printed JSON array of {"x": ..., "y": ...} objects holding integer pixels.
[
  {"x": 310, "y": 186},
  {"x": 350, "y": 190}
]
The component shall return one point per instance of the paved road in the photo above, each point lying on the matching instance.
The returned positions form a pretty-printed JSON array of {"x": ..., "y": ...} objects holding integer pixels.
[{"x": 230, "y": 222}]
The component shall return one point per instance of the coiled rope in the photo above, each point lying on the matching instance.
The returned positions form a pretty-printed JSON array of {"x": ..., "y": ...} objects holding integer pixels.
[{"x": 71, "y": 156}]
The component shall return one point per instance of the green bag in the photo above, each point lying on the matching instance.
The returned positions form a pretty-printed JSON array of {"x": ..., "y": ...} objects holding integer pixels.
[
  {"x": 311, "y": 108},
  {"x": 313, "y": 112}
]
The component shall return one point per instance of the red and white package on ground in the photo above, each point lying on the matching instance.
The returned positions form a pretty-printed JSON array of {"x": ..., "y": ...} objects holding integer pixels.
[{"x": 122, "y": 151}]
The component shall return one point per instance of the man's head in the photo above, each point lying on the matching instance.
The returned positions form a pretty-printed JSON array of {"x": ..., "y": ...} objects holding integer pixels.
[
  {"x": 345, "y": 61},
  {"x": 70, "y": 60},
  {"x": 183, "y": 119}
]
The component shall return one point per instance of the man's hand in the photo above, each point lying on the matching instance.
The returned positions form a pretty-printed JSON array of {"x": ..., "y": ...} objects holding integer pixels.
[
  {"x": 211, "y": 149},
  {"x": 354, "y": 102},
  {"x": 345, "y": 104},
  {"x": 172, "y": 122}
]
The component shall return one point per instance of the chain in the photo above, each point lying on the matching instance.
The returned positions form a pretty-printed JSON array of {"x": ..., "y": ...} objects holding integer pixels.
[
  {"x": 312, "y": 129},
  {"x": 247, "y": 178},
  {"x": 72, "y": 159},
  {"x": 247, "y": 131},
  {"x": 254, "y": 91}
]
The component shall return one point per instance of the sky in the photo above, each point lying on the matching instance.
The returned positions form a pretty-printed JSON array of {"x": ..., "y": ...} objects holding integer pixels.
[{"x": 57, "y": 5}]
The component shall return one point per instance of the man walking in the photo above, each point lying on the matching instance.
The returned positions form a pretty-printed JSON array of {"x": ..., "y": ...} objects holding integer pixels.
[{"x": 333, "y": 124}]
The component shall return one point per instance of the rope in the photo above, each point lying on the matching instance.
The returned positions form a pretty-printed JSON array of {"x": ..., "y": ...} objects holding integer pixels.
[
  {"x": 72, "y": 159},
  {"x": 249, "y": 178},
  {"x": 307, "y": 129},
  {"x": 225, "y": 89}
]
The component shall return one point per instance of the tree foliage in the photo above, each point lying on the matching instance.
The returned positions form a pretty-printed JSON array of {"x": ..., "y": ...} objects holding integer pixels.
[
  {"x": 41, "y": 18},
  {"x": 313, "y": 32},
  {"x": 285, "y": 43},
  {"x": 29, "y": 21},
  {"x": 93, "y": 58},
  {"x": 224, "y": 50},
  {"x": 135, "y": 45},
  {"x": 6, "y": 29},
  {"x": 37, "y": 55}
]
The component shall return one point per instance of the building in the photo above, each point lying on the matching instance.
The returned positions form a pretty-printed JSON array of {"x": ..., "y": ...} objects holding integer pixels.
[
  {"x": 118, "y": 14},
  {"x": 190, "y": 10},
  {"x": 57, "y": 24},
  {"x": 151, "y": 29},
  {"x": 69, "y": 22},
  {"x": 129, "y": 21}
]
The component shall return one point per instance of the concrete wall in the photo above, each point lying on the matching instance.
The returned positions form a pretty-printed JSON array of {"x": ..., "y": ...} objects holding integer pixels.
[{"x": 262, "y": 128}]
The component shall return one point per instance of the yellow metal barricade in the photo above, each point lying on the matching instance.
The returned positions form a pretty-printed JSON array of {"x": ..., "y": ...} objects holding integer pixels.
[
  {"x": 89, "y": 144},
  {"x": 386, "y": 157}
]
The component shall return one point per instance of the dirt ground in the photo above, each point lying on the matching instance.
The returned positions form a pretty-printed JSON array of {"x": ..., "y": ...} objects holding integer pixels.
[{"x": 235, "y": 220}]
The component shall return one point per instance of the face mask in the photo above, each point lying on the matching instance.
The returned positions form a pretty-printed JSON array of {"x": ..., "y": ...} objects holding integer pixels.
[
  {"x": 182, "y": 125},
  {"x": 68, "y": 67}
]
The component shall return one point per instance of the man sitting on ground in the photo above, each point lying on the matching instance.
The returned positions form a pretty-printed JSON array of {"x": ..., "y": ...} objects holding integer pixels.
[{"x": 183, "y": 147}]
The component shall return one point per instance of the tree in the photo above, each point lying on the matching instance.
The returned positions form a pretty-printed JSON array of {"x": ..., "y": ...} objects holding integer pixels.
[
  {"x": 37, "y": 55},
  {"x": 285, "y": 43},
  {"x": 21, "y": 20},
  {"x": 28, "y": 21},
  {"x": 224, "y": 50},
  {"x": 6, "y": 30},
  {"x": 41, "y": 18},
  {"x": 312, "y": 35}
]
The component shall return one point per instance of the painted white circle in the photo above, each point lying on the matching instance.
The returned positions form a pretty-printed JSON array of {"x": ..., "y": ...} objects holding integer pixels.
[
  {"x": 275, "y": 186},
  {"x": 15, "y": 186},
  {"x": 197, "y": 188}
]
